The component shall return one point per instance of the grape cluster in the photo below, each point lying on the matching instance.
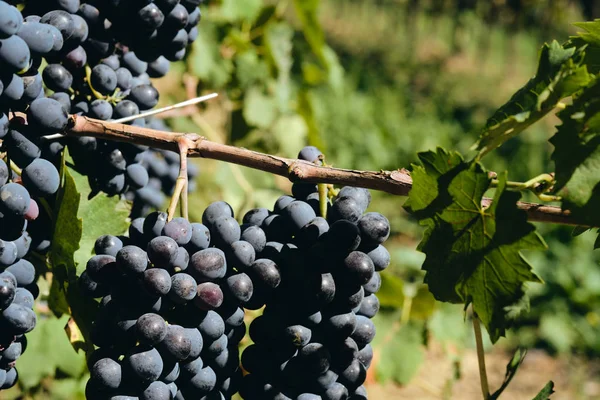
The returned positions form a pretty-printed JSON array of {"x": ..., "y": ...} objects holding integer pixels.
[
  {"x": 170, "y": 284},
  {"x": 319, "y": 283},
  {"x": 17, "y": 277},
  {"x": 168, "y": 325},
  {"x": 99, "y": 59}
]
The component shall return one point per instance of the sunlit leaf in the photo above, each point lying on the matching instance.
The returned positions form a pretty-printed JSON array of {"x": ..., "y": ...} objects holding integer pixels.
[
  {"x": 472, "y": 253},
  {"x": 561, "y": 72}
]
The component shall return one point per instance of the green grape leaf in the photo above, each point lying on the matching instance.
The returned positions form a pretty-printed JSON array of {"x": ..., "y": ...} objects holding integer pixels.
[
  {"x": 80, "y": 220},
  {"x": 472, "y": 253},
  {"x": 545, "y": 393},
  {"x": 259, "y": 109},
  {"x": 577, "y": 155},
  {"x": 48, "y": 350},
  {"x": 235, "y": 10},
  {"x": 68, "y": 228},
  {"x": 100, "y": 215},
  {"x": 391, "y": 292},
  {"x": 561, "y": 72},
  {"x": 511, "y": 370},
  {"x": 400, "y": 351}
]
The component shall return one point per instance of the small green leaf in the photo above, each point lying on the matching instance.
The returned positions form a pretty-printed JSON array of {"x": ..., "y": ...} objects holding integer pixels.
[
  {"x": 511, "y": 369},
  {"x": 561, "y": 72},
  {"x": 278, "y": 41},
  {"x": 577, "y": 155},
  {"x": 48, "y": 350},
  {"x": 68, "y": 229},
  {"x": 235, "y": 10},
  {"x": 101, "y": 215},
  {"x": 259, "y": 109},
  {"x": 545, "y": 393},
  {"x": 290, "y": 132},
  {"x": 391, "y": 292},
  {"x": 400, "y": 357},
  {"x": 472, "y": 254}
]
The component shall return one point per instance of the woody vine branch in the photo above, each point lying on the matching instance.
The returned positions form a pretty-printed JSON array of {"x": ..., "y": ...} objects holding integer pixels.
[{"x": 397, "y": 182}]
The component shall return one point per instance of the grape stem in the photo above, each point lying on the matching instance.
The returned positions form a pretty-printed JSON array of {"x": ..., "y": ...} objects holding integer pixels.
[
  {"x": 181, "y": 184},
  {"x": 397, "y": 182},
  {"x": 485, "y": 389}
]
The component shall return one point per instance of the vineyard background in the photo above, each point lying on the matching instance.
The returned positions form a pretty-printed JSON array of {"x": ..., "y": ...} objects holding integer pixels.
[{"x": 371, "y": 83}]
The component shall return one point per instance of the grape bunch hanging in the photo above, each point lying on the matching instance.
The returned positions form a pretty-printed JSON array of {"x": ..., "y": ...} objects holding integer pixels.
[
  {"x": 61, "y": 57},
  {"x": 173, "y": 295}
]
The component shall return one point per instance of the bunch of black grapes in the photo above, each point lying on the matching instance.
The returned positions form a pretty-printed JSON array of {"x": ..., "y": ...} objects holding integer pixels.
[
  {"x": 170, "y": 320},
  {"x": 17, "y": 275},
  {"x": 173, "y": 283},
  {"x": 99, "y": 59},
  {"x": 318, "y": 283}
]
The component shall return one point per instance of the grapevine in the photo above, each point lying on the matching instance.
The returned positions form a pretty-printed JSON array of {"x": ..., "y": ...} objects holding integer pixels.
[{"x": 278, "y": 303}]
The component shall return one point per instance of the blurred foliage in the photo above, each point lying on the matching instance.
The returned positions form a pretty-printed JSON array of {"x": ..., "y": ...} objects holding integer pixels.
[{"x": 372, "y": 83}]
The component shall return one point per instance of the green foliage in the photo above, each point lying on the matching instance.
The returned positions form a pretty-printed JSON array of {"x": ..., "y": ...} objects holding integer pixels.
[
  {"x": 511, "y": 369},
  {"x": 81, "y": 217},
  {"x": 577, "y": 155},
  {"x": 49, "y": 351},
  {"x": 545, "y": 393},
  {"x": 400, "y": 348},
  {"x": 561, "y": 72},
  {"x": 473, "y": 254}
]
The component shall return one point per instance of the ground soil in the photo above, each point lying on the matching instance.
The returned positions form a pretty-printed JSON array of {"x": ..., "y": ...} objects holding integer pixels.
[{"x": 573, "y": 378}]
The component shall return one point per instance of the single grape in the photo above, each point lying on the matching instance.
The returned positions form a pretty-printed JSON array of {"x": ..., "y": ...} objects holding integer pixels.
[
  {"x": 157, "y": 281},
  {"x": 14, "y": 54},
  {"x": 162, "y": 251},
  {"x": 178, "y": 229},
  {"x": 104, "y": 79},
  {"x": 132, "y": 259},
  {"x": 255, "y": 216},
  {"x": 380, "y": 257},
  {"x": 38, "y": 37},
  {"x": 47, "y": 115},
  {"x": 106, "y": 372},
  {"x": 358, "y": 268},
  {"x": 209, "y": 297},
  {"x": 146, "y": 363},
  {"x": 255, "y": 236},
  {"x": 299, "y": 214},
  {"x": 365, "y": 355},
  {"x": 197, "y": 342},
  {"x": 374, "y": 228},
  {"x": 369, "y": 306},
  {"x": 41, "y": 178},
  {"x": 183, "y": 288},
  {"x": 310, "y": 153},
  {"x": 101, "y": 109},
  {"x": 8, "y": 253},
  {"x": 241, "y": 255},
  {"x": 23, "y": 271},
  {"x": 14, "y": 199},
  {"x": 224, "y": 231},
  {"x": 240, "y": 287},
  {"x": 108, "y": 244},
  {"x": 156, "y": 391},
  {"x": 214, "y": 211},
  {"x": 176, "y": 344},
  {"x": 19, "y": 319},
  {"x": 208, "y": 265},
  {"x": 212, "y": 326},
  {"x": 151, "y": 328}
]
